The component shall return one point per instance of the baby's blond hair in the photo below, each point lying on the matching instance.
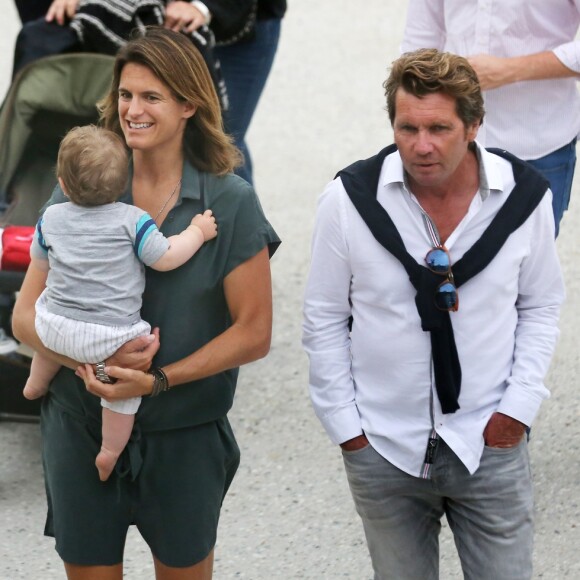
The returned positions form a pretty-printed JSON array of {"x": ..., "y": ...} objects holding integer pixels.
[{"x": 92, "y": 163}]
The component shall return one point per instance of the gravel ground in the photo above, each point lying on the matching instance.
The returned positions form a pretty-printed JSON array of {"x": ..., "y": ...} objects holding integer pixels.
[{"x": 289, "y": 514}]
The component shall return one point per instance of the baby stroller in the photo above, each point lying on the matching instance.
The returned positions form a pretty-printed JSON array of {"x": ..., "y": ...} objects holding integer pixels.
[{"x": 46, "y": 99}]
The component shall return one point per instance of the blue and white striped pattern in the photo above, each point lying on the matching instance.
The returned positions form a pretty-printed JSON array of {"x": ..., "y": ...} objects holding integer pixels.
[
  {"x": 40, "y": 237},
  {"x": 145, "y": 226}
]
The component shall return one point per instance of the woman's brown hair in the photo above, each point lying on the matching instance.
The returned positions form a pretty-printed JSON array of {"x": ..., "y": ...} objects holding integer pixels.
[{"x": 175, "y": 61}]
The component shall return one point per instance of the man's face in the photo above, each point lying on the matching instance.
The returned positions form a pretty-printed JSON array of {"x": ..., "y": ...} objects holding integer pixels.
[{"x": 431, "y": 138}]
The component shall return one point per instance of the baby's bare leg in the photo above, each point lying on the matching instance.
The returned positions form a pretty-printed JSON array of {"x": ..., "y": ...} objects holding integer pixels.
[
  {"x": 42, "y": 371},
  {"x": 117, "y": 429}
]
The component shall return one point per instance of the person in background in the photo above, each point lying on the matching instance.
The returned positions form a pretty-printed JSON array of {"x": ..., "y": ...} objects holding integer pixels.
[
  {"x": 31, "y": 9},
  {"x": 246, "y": 65},
  {"x": 103, "y": 27},
  {"x": 247, "y": 42},
  {"x": 527, "y": 59},
  {"x": 210, "y": 316},
  {"x": 247, "y": 33},
  {"x": 430, "y": 318}
]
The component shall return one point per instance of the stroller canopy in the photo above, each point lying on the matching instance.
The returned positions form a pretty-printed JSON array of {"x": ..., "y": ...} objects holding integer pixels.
[{"x": 47, "y": 98}]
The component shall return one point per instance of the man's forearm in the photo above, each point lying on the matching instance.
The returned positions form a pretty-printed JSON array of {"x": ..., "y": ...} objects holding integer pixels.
[{"x": 494, "y": 72}]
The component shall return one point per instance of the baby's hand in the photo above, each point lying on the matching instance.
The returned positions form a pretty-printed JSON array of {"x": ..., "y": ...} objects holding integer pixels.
[{"x": 206, "y": 223}]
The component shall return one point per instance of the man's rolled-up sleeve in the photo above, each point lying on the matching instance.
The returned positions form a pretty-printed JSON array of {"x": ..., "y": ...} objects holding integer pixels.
[{"x": 569, "y": 55}]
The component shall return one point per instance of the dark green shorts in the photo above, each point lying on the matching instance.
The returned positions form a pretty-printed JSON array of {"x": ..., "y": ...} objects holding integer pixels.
[{"x": 170, "y": 484}]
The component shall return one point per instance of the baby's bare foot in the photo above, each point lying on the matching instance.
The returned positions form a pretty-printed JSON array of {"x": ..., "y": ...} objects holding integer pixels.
[{"x": 105, "y": 463}]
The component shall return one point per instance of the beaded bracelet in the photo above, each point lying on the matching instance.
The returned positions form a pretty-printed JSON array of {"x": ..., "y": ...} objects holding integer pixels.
[{"x": 160, "y": 382}]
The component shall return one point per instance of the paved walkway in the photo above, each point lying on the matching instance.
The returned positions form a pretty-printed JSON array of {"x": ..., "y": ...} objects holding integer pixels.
[{"x": 289, "y": 515}]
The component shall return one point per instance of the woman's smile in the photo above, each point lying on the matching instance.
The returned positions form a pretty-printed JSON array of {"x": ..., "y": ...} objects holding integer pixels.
[{"x": 139, "y": 125}]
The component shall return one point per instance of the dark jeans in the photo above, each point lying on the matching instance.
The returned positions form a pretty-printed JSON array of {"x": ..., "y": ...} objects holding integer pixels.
[
  {"x": 245, "y": 67},
  {"x": 558, "y": 168},
  {"x": 32, "y": 9},
  {"x": 39, "y": 38}
]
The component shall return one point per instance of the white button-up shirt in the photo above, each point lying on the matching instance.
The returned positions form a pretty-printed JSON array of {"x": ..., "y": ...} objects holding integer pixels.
[
  {"x": 379, "y": 378},
  {"x": 530, "y": 118}
]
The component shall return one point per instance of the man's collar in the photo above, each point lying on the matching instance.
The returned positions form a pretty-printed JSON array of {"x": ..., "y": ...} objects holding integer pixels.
[
  {"x": 393, "y": 172},
  {"x": 489, "y": 164}
]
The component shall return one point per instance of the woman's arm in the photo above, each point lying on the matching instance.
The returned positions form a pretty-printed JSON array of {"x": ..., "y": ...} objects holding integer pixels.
[{"x": 248, "y": 290}]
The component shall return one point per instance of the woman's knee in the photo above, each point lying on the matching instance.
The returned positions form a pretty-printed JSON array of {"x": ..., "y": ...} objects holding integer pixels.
[{"x": 201, "y": 571}]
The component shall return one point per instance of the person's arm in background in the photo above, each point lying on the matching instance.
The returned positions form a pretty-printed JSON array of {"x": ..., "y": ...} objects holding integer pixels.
[
  {"x": 226, "y": 16},
  {"x": 494, "y": 71},
  {"x": 61, "y": 11},
  {"x": 425, "y": 25},
  {"x": 183, "y": 16},
  {"x": 561, "y": 62},
  {"x": 425, "y": 28}
]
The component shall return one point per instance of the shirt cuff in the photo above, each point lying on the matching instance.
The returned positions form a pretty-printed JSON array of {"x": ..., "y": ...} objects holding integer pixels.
[
  {"x": 343, "y": 424},
  {"x": 522, "y": 406},
  {"x": 569, "y": 55},
  {"x": 203, "y": 9}
]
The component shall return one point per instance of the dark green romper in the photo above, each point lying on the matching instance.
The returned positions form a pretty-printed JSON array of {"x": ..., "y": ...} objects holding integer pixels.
[{"x": 171, "y": 479}]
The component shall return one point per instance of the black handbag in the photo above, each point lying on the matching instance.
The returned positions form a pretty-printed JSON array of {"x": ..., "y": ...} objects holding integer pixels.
[{"x": 232, "y": 20}]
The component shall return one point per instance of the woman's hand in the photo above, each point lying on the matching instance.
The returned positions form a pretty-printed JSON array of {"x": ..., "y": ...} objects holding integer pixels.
[
  {"x": 128, "y": 365},
  {"x": 130, "y": 383},
  {"x": 61, "y": 11},
  {"x": 183, "y": 17},
  {"x": 137, "y": 354}
]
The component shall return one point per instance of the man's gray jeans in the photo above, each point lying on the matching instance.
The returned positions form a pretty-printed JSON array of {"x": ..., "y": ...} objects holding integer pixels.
[{"x": 489, "y": 512}]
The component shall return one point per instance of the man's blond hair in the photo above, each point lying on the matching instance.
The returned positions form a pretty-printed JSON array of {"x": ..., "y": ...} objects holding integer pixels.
[{"x": 427, "y": 71}]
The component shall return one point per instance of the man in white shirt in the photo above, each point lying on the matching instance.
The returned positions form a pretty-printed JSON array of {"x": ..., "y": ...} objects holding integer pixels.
[
  {"x": 425, "y": 368},
  {"x": 527, "y": 61}
]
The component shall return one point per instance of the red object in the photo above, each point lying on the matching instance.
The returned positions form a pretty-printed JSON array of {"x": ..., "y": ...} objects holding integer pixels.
[{"x": 16, "y": 242}]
